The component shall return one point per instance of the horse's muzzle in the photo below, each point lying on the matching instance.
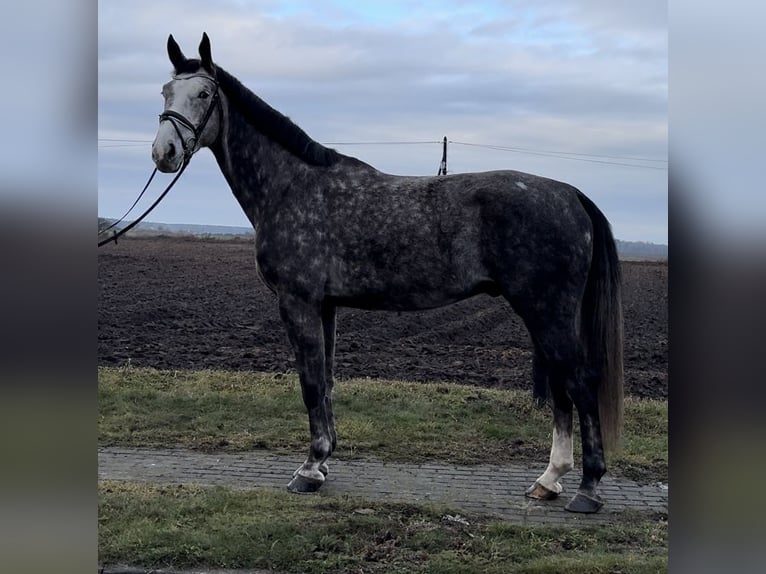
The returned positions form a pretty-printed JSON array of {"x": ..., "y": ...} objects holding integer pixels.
[{"x": 166, "y": 157}]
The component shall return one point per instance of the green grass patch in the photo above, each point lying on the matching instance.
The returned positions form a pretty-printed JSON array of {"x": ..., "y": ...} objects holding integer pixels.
[
  {"x": 181, "y": 526},
  {"x": 387, "y": 420}
]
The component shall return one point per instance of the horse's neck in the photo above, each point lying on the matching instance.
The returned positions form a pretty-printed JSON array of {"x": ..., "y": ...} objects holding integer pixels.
[{"x": 257, "y": 169}]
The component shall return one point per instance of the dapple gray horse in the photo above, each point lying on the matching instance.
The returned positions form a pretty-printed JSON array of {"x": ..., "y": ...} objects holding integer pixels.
[{"x": 332, "y": 231}]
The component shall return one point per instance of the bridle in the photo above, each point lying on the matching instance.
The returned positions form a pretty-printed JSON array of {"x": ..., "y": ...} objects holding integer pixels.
[{"x": 189, "y": 147}]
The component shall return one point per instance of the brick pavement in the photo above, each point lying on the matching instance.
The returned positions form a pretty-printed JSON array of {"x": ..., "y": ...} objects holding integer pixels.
[{"x": 495, "y": 490}]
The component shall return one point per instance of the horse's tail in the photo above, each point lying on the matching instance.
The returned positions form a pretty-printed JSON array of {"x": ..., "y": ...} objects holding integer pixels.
[{"x": 601, "y": 326}]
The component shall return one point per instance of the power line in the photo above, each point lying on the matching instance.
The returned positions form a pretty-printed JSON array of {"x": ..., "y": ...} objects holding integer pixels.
[
  {"x": 568, "y": 156},
  {"x": 491, "y": 146},
  {"x": 123, "y": 145},
  {"x": 513, "y": 148},
  {"x": 123, "y": 140},
  {"x": 552, "y": 153},
  {"x": 325, "y": 143},
  {"x": 384, "y": 143},
  {"x": 574, "y": 156}
]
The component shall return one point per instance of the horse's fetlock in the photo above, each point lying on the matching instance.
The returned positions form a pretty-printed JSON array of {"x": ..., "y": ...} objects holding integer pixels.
[
  {"x": 321, "y": 447},
  {"x": 595, "y": 467}
]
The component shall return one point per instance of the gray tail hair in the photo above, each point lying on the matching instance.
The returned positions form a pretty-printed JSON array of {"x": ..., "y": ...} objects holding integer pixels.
[{"x": 601, "y": 327}]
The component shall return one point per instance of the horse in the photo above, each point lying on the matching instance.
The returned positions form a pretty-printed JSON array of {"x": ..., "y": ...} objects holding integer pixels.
[{"x": 332, "y": 231}]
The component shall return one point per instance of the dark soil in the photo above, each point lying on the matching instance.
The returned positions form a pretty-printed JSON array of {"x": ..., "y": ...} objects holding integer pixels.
[{"x": 186, "y": 303}]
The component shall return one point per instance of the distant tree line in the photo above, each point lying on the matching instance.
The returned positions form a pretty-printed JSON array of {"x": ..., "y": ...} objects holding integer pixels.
[
  {"x": 638, "y": 248},
  {"x": 641, "y": 248}
]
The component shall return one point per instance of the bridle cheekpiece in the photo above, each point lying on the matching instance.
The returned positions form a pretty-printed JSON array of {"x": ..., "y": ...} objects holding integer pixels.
[{"x": 190, "y": 145}]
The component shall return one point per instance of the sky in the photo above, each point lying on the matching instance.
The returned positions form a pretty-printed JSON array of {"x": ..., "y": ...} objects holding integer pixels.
[{"x": 573, "y": 90}]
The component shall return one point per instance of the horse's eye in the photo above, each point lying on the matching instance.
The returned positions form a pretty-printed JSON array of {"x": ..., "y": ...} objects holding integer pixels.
[{"x": 203, "y": 94}]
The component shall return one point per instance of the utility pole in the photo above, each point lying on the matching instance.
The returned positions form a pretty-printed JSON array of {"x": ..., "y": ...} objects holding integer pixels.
[{"x": 443, "y": 165}]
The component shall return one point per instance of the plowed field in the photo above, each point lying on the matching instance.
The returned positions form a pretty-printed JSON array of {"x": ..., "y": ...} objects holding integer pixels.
[{"x": 187, "y": 303}]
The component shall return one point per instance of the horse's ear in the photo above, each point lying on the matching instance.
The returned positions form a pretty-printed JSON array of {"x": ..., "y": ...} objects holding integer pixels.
[
  {"x": 175, "y": 54},
  {"x": 204, "y": 53}
]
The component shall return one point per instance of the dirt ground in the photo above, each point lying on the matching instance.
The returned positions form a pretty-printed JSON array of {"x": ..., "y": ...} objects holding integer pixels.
[{"x": 186, "y": 303}]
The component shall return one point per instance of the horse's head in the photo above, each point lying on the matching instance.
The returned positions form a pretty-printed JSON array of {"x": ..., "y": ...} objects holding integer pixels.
[{"x": 190, "y": 120}]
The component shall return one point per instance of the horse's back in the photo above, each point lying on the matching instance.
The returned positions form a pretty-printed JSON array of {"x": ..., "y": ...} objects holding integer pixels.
[
  {"x": 506, "y": 212},
  {"x": 415, "y": 242}
]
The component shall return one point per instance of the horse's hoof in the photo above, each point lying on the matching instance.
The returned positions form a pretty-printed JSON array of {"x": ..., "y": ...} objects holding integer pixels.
[
  {"x": 302, "y": 485},
  {"x": 585, "y": 503},
  {"x": 323, "y": 468},
  {"x": 539, "y": 492}
]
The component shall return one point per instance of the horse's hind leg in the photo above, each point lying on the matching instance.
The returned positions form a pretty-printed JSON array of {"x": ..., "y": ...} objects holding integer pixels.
[
  {"x": 569, "y": 382},
  {"x": 547, "y": 485},
  {"x": 303, "y": 322},
  {"x": 583, "y": 390}
]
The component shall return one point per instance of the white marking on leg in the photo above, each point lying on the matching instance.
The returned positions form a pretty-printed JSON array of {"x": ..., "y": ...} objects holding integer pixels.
[{"x": 561, "y": 462}]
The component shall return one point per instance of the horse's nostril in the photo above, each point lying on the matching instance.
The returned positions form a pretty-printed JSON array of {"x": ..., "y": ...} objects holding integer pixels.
[{"x": 171, "y": 150}]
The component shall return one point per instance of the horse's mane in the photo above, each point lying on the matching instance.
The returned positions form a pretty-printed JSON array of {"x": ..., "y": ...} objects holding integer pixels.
[{"x": 271, "y": 123}]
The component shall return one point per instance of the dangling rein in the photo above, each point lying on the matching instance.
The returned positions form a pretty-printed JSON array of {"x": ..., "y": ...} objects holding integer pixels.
[{"x": 115, "y": 234}]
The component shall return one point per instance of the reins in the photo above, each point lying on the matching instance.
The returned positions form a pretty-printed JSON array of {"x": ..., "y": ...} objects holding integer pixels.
[
  {"x": 189, "y": 148},
  {"x": 124, "y": 230},
  {"x": 140, "y": 195}
]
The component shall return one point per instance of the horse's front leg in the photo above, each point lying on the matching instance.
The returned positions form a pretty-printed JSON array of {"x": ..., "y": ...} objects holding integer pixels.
[
  {"x": 328, "y": 327},
  {"x": 303, "y": 322}
]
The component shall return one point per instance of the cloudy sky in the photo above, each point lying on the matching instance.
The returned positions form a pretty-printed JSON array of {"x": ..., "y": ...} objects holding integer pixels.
[{"x": 577, "y": 88}]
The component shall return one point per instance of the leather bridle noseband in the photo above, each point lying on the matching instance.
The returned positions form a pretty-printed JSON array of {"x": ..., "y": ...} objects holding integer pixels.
[{"x": 190, "y": 146}]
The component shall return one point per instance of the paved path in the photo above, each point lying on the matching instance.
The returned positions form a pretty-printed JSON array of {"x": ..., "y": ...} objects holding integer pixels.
[{"x": 495, "y": 490}]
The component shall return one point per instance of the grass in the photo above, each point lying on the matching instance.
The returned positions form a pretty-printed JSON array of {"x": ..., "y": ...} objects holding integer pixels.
[
  {"x": 387, "y": 420},
  {"x": 182, "y": 526}
]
